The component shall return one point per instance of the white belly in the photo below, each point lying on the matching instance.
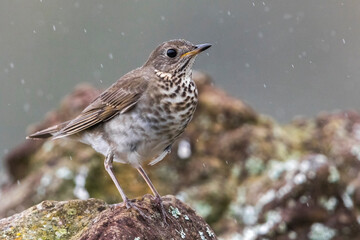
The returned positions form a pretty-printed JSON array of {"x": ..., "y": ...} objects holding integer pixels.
[{"x": 131, "y": 139}]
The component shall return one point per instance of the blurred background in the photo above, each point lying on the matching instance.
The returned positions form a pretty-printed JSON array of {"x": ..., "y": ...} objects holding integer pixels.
[{"x": 284, "y": 58}]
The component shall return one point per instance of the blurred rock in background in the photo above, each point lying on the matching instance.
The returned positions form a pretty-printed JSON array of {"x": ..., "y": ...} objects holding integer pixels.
[{"x": 246, "y": 175}]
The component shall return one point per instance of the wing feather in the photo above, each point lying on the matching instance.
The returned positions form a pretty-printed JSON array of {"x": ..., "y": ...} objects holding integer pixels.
[{"x": 117, "y": 99}]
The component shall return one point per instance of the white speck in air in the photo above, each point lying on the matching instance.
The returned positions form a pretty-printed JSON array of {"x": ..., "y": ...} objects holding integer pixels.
[
  {"x": 85, "y": 31},
  {"x": 111, "y": 56},
  {"x": 22, "y": 81},
  {"x": 101, "y": 65},
  {"x": 343, "y": 40},
  {"x": 54, "y": 27}
]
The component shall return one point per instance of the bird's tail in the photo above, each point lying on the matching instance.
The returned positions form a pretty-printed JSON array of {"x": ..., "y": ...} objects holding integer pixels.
[{"x": 48, "y": 132}]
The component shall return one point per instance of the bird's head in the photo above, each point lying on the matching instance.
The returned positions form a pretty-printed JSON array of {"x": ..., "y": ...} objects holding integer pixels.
[{"x": 175, "y": 56}]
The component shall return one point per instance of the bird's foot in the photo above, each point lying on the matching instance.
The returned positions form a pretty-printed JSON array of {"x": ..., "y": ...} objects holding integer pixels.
[
  {"x": 129, "y": 204},
  {"x": 159, "y": 204}
]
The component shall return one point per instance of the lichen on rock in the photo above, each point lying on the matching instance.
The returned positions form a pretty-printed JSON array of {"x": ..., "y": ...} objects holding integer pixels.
[{"x": 51, "y": 220}]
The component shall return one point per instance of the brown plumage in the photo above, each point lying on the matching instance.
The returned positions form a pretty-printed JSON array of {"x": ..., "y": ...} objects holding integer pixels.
[
  {"x": 140, "y": 116},
  {"x": 118, "y": 98}
]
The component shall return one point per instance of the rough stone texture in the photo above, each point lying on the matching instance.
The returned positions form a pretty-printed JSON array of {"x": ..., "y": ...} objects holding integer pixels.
[
  {"x": 51, "y": 220},
  {"x": 94, "y": 219},
  {"x": 182, "y": 223},
  {"x": 246, "y": 175}
]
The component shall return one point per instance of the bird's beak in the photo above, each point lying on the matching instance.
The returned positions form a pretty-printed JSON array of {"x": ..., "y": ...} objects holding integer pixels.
[{"x": 199, "y": 48}]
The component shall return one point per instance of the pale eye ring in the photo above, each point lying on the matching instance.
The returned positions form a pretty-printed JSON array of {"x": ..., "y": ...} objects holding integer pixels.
[{"x": 171, "y": 53}]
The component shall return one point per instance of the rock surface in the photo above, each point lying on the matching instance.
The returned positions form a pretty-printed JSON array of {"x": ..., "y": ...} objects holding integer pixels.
[
  {"x": 246, "y": 175},
  {"x": 95, "y": 220}
]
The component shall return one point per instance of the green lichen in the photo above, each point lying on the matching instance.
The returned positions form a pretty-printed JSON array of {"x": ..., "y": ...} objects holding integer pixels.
[
  {"x": 355, "y": 151},
  {"x": 182, "y": 233},
  {"x": 292, "y": 235},
  {"x": 209, "y": 232},
  {"x": 328, "y": 203},
  {"x": 60, "y": 234},
  {"x": 319, "y": 231},
  {"x": 71, "y": 211},
  {"x": 53, "y": 220},
  {"x": 174, "y": 212},
  {"x": 334, "y": 175},
  {"x": 254, "y": 165},
  {"x": 202, "y": 237},
  {"x": 236, "y": 171}
]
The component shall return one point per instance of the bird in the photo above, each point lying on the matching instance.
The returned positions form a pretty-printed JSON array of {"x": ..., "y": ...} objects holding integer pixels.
[{"x": 138, "y": 118}]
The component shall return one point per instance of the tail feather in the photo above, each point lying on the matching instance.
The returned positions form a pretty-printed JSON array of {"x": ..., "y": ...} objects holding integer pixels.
[{"x": 48, "y": 132}]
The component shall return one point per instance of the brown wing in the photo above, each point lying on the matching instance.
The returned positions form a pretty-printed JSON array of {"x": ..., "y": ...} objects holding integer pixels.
[{"x": 118, "y": 98}]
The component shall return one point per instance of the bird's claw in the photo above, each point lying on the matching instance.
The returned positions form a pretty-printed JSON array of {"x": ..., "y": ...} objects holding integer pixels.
[
  {"x": 159, "y": 204},
  {"x": 131, "y": 205}
]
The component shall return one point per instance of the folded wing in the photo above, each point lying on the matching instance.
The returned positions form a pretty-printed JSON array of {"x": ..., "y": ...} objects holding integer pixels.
[{"x": 117, "y": 99}]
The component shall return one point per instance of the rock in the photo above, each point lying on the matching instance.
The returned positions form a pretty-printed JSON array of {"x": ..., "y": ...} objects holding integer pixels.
[
  {"x": 52, "y": 220},
  {"x": 94, "y": 219},
  {"x": 182, "y": 223},
  {"x": 246, "y": 175}
]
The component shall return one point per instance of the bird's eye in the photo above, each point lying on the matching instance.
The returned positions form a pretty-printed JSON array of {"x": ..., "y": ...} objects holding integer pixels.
[{"x": 171, "y": 53}]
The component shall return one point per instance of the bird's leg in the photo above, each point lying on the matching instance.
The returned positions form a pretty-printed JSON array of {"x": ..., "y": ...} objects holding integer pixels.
[
  {"x": 157, "y": 196},
  {"x": 148, "y": 181},
  {"x": 109, "y": 168}
]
